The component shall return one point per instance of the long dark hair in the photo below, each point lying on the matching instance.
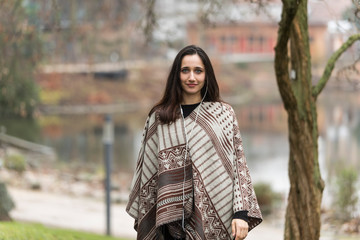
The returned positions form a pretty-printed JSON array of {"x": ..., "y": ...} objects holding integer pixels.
[{"x": 168, "y": 106}]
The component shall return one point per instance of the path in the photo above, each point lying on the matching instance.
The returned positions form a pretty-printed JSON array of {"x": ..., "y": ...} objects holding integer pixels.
[
  {"x": 69, "y": 212},
  {"x": 89, "y": 215}
]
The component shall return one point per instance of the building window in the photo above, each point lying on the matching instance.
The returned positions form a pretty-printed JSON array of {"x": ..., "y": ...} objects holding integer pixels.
[
  {"x": 250, "y": 44},
  {"x": 261, "y": 44},
  {"x": 233, "y": 47},
  {"x": 233, "y": 39},
  {"x": 222, "y": 45}
]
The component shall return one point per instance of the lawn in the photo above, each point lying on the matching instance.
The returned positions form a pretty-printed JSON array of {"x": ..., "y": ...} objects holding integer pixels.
[{"x": 27, "y": 231}]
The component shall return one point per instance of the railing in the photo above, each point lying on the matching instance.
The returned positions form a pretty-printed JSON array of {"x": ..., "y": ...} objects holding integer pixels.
[{"x": 23, "y": 144}]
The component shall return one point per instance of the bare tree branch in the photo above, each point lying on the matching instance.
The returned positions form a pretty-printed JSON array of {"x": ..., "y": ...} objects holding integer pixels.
[
  {"x": 150, "y": 20},
  {"x": 350, "y": 74},
  {"x": 331, "y": 64},
  {"x": 281, "y": 52},
  {"x": 357, "y": 10},
  {"x": 357, "y": 4},
  {"x": 209, "y": 8},
  {"x": 208, "y": 14}
]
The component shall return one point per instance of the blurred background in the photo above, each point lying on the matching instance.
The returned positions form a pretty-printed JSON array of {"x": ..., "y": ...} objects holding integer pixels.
[{"x": 64, "y": 65}]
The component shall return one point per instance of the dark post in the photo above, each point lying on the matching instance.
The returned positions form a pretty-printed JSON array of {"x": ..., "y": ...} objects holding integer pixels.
[{"x": 108, "y": 139}]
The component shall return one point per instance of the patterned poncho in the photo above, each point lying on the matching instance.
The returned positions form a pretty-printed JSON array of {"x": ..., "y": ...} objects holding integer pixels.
[{"x": 210, "y": 186}]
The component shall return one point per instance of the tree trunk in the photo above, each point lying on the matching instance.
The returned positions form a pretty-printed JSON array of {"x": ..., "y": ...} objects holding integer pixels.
[
  {"x": 304, "y": 201},
  {"x": 295, "y": 86}
]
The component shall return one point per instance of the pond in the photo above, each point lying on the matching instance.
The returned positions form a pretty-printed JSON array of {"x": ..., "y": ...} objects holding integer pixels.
[{"x": 77, "y": 139}]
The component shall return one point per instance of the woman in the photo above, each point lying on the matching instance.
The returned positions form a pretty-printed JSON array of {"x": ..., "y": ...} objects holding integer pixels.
[{"x": 191, "y": 179}]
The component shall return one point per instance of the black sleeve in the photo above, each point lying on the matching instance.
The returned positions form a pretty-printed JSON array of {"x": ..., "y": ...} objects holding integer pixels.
[{"x": 243, "y": 215}]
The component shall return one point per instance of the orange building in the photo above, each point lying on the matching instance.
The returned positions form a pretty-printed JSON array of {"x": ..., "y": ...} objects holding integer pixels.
[
  {"x": 235, "y": 38},
  {"x": 252, "y": 37},
  {"x": 252, "y": 40}
]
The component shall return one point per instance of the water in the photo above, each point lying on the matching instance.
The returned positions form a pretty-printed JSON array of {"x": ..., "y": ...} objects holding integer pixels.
[{"x": 77, "y": 139}]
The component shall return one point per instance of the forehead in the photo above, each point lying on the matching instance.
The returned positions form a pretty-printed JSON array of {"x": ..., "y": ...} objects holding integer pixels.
[{"x": 192, "y": 61}]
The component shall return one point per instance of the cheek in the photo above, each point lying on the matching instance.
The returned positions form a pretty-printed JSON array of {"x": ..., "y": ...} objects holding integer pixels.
[
  {"x": 203, "y": 80},
  {"x": 182, "y": 82},
  {"x": 182, "y": 78}
]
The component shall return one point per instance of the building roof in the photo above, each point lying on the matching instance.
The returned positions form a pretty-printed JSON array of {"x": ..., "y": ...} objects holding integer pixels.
[
  {"x": 319, "y": 11},
  {"x": 175, "y": 15}
]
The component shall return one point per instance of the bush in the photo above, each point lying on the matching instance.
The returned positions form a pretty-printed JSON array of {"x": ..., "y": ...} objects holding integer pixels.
[
  {"x": 15, "y": 162},
  {"x": 267, "y": 198},
  {"x": 6, "y": 203},
  {"x": 345, "y": 199}
]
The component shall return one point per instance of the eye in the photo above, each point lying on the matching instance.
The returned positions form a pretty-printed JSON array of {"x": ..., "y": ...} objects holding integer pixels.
[
  {"x": 198, "y": 71},
  {"x": 184, "y": 70}
]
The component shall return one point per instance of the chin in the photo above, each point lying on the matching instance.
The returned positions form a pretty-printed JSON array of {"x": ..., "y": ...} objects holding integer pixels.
[{"x": 193, "y": 92}]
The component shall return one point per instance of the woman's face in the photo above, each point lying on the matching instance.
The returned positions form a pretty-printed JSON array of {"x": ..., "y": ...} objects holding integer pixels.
[{"x": 192, "y": 77}]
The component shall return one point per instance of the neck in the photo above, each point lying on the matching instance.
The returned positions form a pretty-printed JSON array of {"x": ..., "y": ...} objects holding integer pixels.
[{"x": 188, "y": 100}]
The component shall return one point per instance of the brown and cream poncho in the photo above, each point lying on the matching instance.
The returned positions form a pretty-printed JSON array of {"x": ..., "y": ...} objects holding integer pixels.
[{"x": 217, "y": 180}]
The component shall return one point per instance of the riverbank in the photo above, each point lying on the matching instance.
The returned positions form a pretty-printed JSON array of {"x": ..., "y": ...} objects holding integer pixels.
[
  {"x": 86, "y": 214},
  {"x": 77, "y": 202},
  {"x": 73, "y": 182},
  {"x": 69, "y": 212},
  {"x": 70, "y": 200}
]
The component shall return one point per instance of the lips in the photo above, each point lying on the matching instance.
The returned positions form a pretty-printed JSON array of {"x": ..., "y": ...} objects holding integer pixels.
[{"x": 191, "y": 85}]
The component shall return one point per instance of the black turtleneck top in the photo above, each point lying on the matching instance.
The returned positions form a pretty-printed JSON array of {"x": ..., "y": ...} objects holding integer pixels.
[{"x": 187, "y": 109}]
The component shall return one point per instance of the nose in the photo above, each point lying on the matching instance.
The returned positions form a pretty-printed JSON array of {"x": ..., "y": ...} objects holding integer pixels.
[{"x": 192, "y": 77}]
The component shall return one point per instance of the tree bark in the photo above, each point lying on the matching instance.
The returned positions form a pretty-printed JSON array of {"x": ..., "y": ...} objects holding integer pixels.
[{"x": 295, "y": 86}]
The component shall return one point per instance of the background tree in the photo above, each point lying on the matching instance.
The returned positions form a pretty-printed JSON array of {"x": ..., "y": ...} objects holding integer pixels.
[
  {"x": 20, "y": 49},
  {"x": 299, "y": 95},
  {"x": 71, "y": 29}
]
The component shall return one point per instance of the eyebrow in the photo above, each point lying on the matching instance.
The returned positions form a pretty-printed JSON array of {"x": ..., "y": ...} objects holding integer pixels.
[{"x": 197, "y": 67}]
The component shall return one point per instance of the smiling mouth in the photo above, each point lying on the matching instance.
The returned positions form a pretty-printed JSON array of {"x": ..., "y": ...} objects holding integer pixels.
[{"x": 191, "y": 85}]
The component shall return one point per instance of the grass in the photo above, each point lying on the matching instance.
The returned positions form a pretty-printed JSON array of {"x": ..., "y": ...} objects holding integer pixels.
[{"x": 29, "y": 231}]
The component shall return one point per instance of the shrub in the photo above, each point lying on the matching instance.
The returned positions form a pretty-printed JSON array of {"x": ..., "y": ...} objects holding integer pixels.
[
  {"x": 6, "y": 203},
  {"x": 345, "y": 199},
  {"x": 15, "y": 162},
  {"x": 267, "y": 198}
]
